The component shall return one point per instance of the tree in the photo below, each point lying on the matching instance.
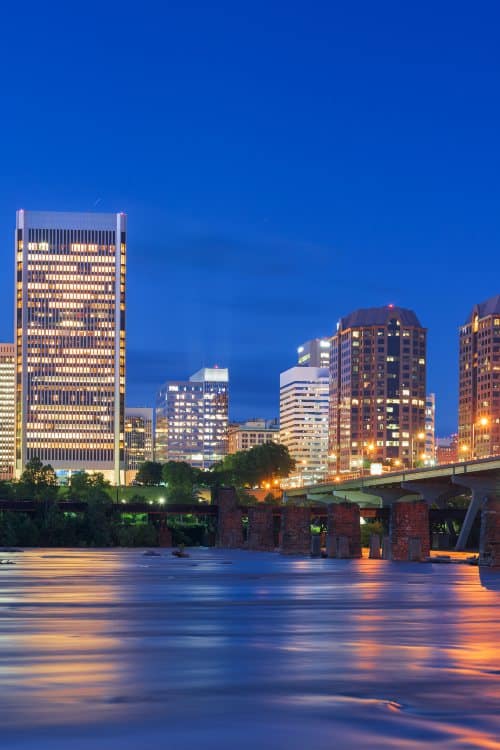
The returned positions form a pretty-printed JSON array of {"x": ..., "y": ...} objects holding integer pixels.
[
  {"x": 149, "y": 474},
  {"x": 181, "y": 480},
  {"x": 38, "y": 481},
  {"x": 265, "y": 463}
]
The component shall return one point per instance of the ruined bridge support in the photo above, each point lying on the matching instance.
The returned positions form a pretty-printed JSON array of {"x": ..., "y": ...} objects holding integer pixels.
[
  {"x": 344, "y": 531},
  {"x": 260, "y": 528},
  {"x": 295, "y": 536},
  {"x": 230, "y": 522},
  {"x": 409, "y": 531},
  {"x": 489, "y": 546}
]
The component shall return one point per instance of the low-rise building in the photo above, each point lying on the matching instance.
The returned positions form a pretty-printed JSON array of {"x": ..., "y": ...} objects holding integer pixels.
[{"x": 246, "y": 435}]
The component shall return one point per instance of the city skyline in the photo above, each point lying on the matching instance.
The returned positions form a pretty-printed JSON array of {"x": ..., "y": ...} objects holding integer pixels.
[
  {"x": 352, "y": 162},
  {"x": 236, "y": 414}
]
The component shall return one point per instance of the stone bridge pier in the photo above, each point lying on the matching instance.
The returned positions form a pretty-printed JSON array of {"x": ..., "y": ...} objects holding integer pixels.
[
  {"x": 229, "y": 521},
  {"x": 344, "y": 531},
  {"x": 260, "y": 528},
  {"x": 409, "y": 530},
  {"x": 295, "y": 535}
]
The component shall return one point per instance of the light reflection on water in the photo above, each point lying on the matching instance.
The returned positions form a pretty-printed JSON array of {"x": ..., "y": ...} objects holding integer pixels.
[{"x": 113, "y": 649}]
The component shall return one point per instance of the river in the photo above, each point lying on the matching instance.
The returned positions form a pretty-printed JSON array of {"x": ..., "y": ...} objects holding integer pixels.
[{"x": 232, "y": 649}]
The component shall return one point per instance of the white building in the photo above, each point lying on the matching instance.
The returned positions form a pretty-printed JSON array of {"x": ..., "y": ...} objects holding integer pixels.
[
  {"x": 304, "y": 398},
  {"x": 70, "y": 341},
  {"x": 7, "y": 410}
]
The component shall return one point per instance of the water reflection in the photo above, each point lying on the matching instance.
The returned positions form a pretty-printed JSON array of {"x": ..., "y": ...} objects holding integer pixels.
[{"x": 226, "y": 649}]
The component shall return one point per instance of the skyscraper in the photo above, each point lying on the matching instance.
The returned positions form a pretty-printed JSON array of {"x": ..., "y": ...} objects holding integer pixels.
[
  {"x": 70, "y": 340},
  {"x": 138, "y": 439},
  {"x": 7, "y": 410},
  {"x": 304, "y": 395},
  {"x": 377, "y": 390},
  {"x": 314, "y": 353},
  {"x": 479, "y": 382},
  {"x": 192, "y": 418}
]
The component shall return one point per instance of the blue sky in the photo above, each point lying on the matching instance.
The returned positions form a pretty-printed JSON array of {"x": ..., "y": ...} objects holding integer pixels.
[{"x": 280, "y": 165}]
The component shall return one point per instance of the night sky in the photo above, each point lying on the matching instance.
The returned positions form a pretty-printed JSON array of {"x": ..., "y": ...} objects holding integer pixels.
[{"x": 281, "y": 164}]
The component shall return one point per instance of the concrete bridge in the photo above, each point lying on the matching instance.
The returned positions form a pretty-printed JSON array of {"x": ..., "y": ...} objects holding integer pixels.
[{"x": 479, "y": 480}]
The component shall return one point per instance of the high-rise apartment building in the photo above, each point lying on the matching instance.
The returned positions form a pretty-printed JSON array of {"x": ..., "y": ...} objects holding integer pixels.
[
  {"x": 254, "y": 432},
  {"x": 7, "y": 410},
  {"x": 138, "y": 439},
  {"x": 429, "y": 454},
  {"x": 70, "y": 341},
  {"x": 479, "y": 382},
  {"x": 304, "y": 395},
  {"x": 377, "y": 390},
  {"x": 314, "y": 353},
  {"x": 192, "y": 418}
]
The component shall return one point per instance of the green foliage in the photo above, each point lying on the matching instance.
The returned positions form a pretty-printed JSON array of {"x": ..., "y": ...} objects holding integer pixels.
[
  {"x": 136, "y": 535},
  {"x": 263, "y": 463},
  {"x": 150, "y": 474},
  {"x": 38, "y": 482},
  {"x": 181, "y": 480}
]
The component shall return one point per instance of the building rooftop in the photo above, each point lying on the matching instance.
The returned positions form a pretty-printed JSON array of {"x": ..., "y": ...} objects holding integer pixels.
[
  {"x": 378, "y": 316},
  {"x": 490, "y": 307}
]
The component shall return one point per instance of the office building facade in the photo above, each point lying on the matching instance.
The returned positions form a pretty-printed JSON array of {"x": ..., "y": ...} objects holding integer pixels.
[
  {"x": 7, "y": 410},
  {"x": 377, "y": 391},
  {"x": 314, "y": 353},
  {"x": 479, "y": 382},
  {"x": 304, "y": 396},
  {"x": 70, "y": 341},
  {"x": 138, "y": 439},
  {"x": 246, "y": 435},
  {"x": 191, "y": 421},
  {"x": 429, "y": 454}
]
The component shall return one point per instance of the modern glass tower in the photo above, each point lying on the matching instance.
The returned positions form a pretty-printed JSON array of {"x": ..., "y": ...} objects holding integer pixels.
[
  {"x": 192, "y": 418},
  {"x": 70, "y": 340}
]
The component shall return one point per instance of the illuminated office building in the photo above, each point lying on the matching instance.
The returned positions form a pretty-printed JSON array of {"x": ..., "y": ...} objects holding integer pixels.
[
  {"x": 70, "y": 341},
  {"x": 377, "y": 391},
  {"x": 254, "y": 432},
  {"x": 479, "y": 382},
  {"x": 430, "y": 429},
  {"x": 304, "y": 395},
  {"x": 314, "y": 353},
  {"x": 7, "y": 410},
  {"x": 138, "y": 439},
  {"x": 192, "y": 418}
]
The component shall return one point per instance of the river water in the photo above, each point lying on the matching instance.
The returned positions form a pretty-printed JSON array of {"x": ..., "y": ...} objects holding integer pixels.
[{"x": 112, "y": 649}]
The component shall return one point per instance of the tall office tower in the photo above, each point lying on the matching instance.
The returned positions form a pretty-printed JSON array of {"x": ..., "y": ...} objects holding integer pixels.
[
  {"x": 479, "y": 382},
  {"x": 304, "y": 395},
  {"x": 246, "y": 435},
  {"x": 7, "y": 410},
  {"x": 192, "y": 418},
  {"x": 429, "y": 454},
  {"x": 70, "y": 341},
  {"x": 377, "y": 390},
  {"x": 138, "y": 439},
  {"x": 314, "y": 353}
]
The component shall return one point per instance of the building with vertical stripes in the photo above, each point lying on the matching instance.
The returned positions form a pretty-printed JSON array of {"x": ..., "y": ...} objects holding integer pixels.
[{"x": 70, "y": 341}]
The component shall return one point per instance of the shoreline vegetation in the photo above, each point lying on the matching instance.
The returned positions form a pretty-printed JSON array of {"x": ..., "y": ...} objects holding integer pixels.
[{"x": 100, "y": 525}]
